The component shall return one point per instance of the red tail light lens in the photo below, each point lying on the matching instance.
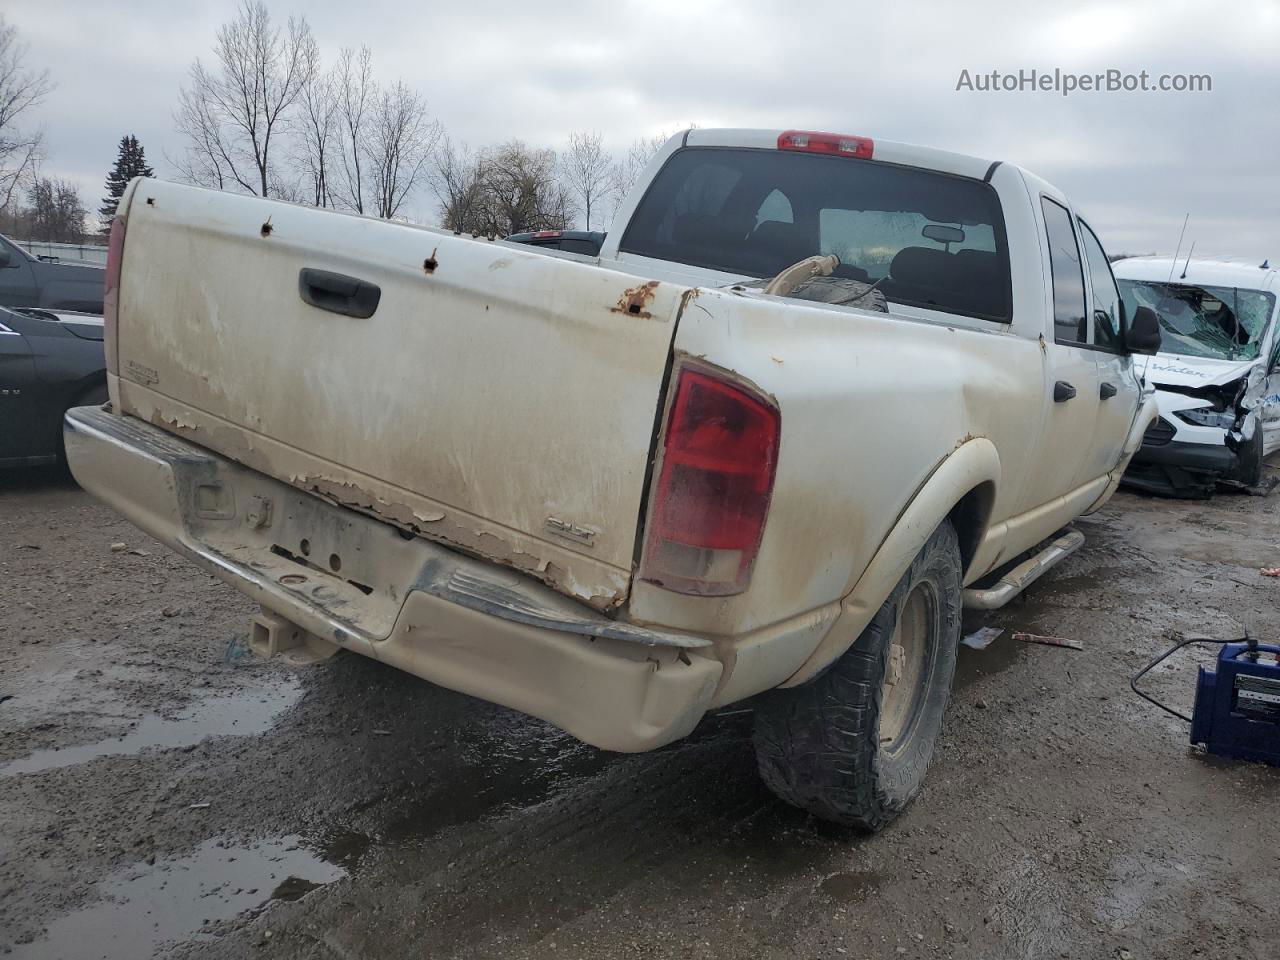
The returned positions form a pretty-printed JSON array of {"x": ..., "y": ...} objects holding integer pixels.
[
  {"x": 111, "y": 291},
  {"x": 709, "y": 504},
  {"x": 840, "y": 144}
]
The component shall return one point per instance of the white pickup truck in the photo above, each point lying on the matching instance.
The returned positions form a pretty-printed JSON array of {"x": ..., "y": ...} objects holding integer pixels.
[{"x": 620, "y": 492}]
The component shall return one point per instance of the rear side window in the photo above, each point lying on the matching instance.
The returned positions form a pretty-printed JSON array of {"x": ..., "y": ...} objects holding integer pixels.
[
  {"x": 1069, "y": 323},
  {"x": 589, "y": 248},
  {"x": 930, "y": 239}
]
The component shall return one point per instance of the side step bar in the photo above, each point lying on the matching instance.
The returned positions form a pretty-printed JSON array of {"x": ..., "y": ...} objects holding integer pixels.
[{"x": 1024, "y": 574}]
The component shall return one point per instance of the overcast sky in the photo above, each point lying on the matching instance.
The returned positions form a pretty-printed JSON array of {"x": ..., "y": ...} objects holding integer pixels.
[{"x": 1134, "y": 163}]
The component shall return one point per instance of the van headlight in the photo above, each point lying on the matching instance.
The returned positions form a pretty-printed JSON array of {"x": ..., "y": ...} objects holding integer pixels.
[{"x": 1206, "y": 417}]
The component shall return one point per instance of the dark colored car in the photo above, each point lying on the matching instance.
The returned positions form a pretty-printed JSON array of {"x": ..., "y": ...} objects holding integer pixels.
[
  {"x": 586, "y": 242},
  {"x": 49, "y": 362},
  {"x": 27, "y": 281}
]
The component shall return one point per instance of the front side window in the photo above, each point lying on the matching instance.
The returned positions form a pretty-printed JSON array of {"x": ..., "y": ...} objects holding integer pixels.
[
  {"x": 928, "y": 239},
  {"x": 16, "y": 253},
  {"x": 1223, "y": 323},
  {"x": 1106, "y": 296},
  {"x": 1069, "y": 323}
]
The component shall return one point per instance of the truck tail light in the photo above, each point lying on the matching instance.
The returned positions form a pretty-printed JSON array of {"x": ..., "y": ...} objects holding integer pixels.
[
  {"x": 111, "y": 290},
  {"x": 839, "y": 144},
  {"x": 711, "y": 499}
]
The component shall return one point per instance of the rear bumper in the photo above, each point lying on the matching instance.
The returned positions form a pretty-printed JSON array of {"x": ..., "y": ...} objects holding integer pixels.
[{"x": 350, "y": 579}]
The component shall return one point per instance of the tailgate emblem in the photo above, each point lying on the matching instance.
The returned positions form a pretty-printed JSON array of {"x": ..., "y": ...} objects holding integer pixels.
[
  {"x": 142, "y": 374},
  {"x": 570, "y": 531}
]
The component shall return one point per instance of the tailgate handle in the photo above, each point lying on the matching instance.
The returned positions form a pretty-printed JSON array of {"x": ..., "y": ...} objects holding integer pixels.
[{"x": 338, "y": 293}]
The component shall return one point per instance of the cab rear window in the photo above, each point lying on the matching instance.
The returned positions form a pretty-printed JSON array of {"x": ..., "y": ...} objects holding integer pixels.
[{"x": 928, "y": 239}]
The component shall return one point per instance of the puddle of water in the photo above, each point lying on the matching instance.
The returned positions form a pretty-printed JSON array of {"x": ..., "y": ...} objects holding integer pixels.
[
  {"x": 242, "y": 714},
  {"x": 343, "y": 847},
  {"x": 142, "y": 906}
]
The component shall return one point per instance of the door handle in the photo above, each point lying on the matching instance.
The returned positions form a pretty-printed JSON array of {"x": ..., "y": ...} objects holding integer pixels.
[
  {"x": 338, "y": 293},
  {"x": 1063, "y": 391},
  {"x": 1107, "y": 391}
]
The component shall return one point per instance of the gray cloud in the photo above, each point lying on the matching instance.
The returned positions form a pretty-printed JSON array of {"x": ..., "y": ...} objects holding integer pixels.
[{"x": 1135, "y": 163}]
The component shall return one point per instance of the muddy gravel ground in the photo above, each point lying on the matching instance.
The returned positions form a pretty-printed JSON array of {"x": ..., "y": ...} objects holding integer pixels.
[{"x": 163, "y": 792}]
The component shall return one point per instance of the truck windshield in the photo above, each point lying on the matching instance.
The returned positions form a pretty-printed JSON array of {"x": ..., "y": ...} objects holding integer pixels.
[
  {"x": 931, "y": 239},
  {"x": 1222, "y": 323}
]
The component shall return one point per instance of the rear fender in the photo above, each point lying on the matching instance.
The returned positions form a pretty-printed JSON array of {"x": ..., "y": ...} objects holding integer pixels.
[{"x": 972, "y": 466}]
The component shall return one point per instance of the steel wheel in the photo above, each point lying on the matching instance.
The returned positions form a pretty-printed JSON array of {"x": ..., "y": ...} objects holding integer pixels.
[{"x": 905, "y": 675}]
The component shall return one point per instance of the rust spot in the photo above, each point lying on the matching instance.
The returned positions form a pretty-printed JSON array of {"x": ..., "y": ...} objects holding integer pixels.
[
  {"x": 266, "y": 228},
  {"x": 429, "y": 265},
  {"x": 172, "y": 424},
  {"x": 435, "y": 526},
  {"x": 634, "y": 301}
]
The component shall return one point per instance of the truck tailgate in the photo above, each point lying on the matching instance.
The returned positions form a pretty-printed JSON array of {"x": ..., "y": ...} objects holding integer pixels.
[{"x": 497, "y": 400}]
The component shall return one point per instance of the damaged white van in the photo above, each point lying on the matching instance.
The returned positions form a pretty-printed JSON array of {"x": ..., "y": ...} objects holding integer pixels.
[{"x": 1217, "y": 375}]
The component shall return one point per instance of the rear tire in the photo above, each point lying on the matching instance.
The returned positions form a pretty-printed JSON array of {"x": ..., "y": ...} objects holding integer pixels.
[{"x": 853, "y": 745}]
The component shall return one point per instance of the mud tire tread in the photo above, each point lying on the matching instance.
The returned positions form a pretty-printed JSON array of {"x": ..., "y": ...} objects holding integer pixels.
[{"x": 817, "y": 746}]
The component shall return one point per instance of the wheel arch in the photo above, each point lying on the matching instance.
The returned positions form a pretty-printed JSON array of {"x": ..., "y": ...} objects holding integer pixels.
[
  {"x": 962, "y": 489},
  {"x": 971, "y": 516}
]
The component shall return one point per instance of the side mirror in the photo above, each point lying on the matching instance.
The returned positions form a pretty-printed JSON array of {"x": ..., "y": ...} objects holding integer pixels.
[
  {"x": 1143, "y": 332},
  {"x": 5, "y": 256}
]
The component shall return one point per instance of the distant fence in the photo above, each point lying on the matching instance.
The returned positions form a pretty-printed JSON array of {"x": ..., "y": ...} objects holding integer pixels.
[{"x": 83, "y": 252}]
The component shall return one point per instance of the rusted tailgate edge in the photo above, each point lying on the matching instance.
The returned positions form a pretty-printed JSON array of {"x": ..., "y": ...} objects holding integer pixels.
[{"x": 440, "y": 572}]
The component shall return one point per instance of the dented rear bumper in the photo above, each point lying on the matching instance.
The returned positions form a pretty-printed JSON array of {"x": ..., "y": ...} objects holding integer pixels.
[{"x": 463, "y": 623}]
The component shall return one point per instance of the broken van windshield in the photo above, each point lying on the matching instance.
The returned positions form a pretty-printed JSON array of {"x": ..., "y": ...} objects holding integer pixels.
[
  {"x": 931, "y": 239},
  {"x": 1221, "y": 323}
]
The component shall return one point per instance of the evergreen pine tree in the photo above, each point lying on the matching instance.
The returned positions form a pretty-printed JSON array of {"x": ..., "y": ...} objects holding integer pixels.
[{"x": 130, "y": 162}]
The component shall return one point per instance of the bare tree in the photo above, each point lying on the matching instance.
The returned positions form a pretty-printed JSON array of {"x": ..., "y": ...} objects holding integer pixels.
[
  {"x": 208, "y": 156},
  {"x": 231, "y": 114},
  {"x": 458, "y": 181},
  {"x": 21, "y": 90},
  {"x": 55, "y": 212},
  {"x": 522, "y": 191},
  {"x": 355, "y": 93},
  {"x": 560, "y": 210},
  {"x": 507, "y": 189},
  {"x": 626, "y": 172},
  {"x": 317, "y": 125},
  {"x": 588, "y": 170},
  {"x": 399, "y": 143}
]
